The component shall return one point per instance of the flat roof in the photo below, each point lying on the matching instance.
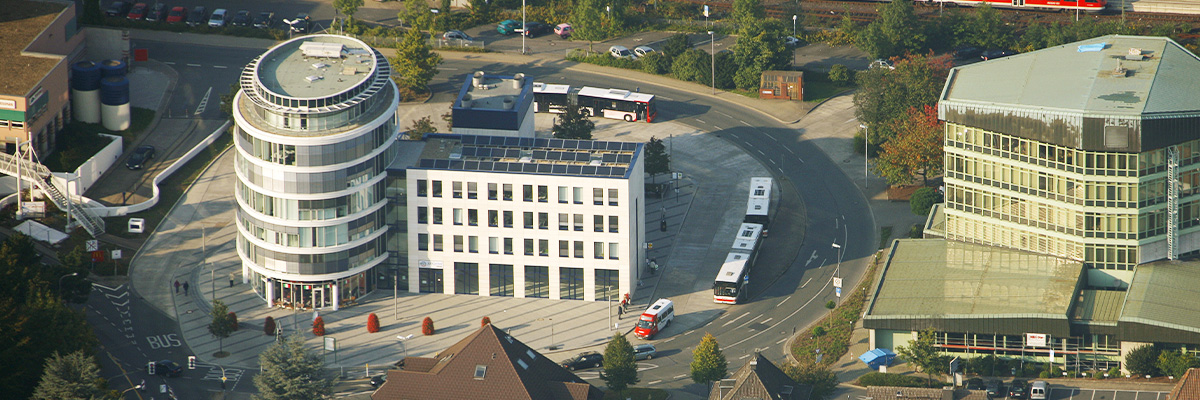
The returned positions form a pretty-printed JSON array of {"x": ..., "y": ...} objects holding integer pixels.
[
  {"x": 316, "y": 66},
  {"x": 493, "y": 91},
  {"x": 928, "y": 278},
  {"x": 747, "y": 236},
  {"x": 23, "y": 21},
  {"x": 505, "y": 154},
  {"x": 1164, "y": 294},
  {"x": 731, "y": 269}
]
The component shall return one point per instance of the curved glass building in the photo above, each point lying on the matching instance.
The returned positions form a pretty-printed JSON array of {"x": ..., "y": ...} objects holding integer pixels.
[{"x": 315, "y": 130}]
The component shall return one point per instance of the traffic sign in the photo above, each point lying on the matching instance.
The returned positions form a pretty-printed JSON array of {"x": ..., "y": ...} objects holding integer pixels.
[
  {"x": 837, "y": 282},
  {"x": 93, "y": 245},
  {"x": 838, "y": 291}
]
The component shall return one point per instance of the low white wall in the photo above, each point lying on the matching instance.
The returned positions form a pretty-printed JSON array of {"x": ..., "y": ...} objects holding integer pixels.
[{"x": 76, "y": 183}]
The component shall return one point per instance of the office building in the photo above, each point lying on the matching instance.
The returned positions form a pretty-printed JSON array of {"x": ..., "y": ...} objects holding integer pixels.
[
  {"x": 494, "y": 105},
  {"x": 41, "y": 38}
]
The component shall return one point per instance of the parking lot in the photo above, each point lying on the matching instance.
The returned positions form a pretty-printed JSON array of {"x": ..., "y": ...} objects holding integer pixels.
[{"x": 1103, "y": 394}]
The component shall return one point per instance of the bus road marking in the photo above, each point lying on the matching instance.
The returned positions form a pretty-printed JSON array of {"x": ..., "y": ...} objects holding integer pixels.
[
  {"x": 654, "y": 382},
  {"x": 785, "y": 300}
]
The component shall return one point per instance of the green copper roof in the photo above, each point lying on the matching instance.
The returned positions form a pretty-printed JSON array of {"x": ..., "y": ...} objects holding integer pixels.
[{"x": 1165, "y": 294}]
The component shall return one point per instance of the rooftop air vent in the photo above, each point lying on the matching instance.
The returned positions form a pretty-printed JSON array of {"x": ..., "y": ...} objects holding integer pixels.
[
  {"x": 321, "y": 49},
  {"x": 477, "y": 79},
  {"x": 313, "y": 78},
  {"x": 320, "y": 65},
  {"x": 509, "y": 101},
  {"x": 349, "y": 71},
  {"x": 1120, "y": 71}
]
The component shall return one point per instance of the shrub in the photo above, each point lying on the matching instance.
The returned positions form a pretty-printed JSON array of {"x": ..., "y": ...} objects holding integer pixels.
[
  {"x": 233, "y": 323},
  {"x": 656, "y": 63},
  {"x": 372, "y": 323},
  {"x": 485, "y": 321},
  {"x": 1143, "y": 360},
  {"x": 922, "y": 200},
  {"x": 427, "y": 327},
  {"x": 269, "y": 326},
  {"x": 819, "y": 331},
  {"x": 319, "y": 326},
  {"x": 840, "y": 75},
  {"x": 885, "y": 379}
]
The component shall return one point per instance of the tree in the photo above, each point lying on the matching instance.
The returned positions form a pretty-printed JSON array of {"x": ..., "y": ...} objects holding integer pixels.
[
  {"x": 588, "y": 20},
  {"x": 416, "y": 14},
  {"x": 921, "y": 352},
  {"x": 220, "y": 326},
  {"x": 269, "y": 326},
  {"x": 656, "y": 63},
  {"x": 726, "y": 70},
  {"x": 693, "y": 66},
  {"x": 485, "y": 321},
  {"x": 420, "y": 127},
  {"x": 922, "y": 200},
  {"x": 746, "y": 11},
  {"x": 830, "y": 305},
  {"x": 318, "y": 326},
  {"x": 415, "y": 62},
  {"x": 69, "y": 377},
  {"x": 427, "y": 327},
  {"x": 92, "y": 14},
  {"x": 657, "y": 159},
  {"x": 573, "y": 123},
  {"x": 291, "y": 371},
  {"x": 347, "y": 7},
  {"x": 227, "y": 100},
  {"x": 1175, "y": 363},
  {"x": 444, "y": 7},
  {"x": 372, "y": 323},
  {"x": 986, "y": 29},
  {"x": 1143, "y": 360},
  {"x": 840, "y": 75},
  {"x": 233, "y": 323},
  {"x": 885, "y": 94},
  {"x": 708, "y": 363},
  {"x": 897, "y": 31},
  {"x": 620, "y": 369},
  {"x": 759, "y": 48},
  {"x": 915, "y": 149},
  {"x": 819, "y": 376},
  {"x": 676, "y": 44},
  {"x": 480, "y": 8}
]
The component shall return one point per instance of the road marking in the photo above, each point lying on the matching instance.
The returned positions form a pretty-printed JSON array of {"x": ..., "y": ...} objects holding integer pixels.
[
  {"x": 680, "y": 376},
  {"x": 810, "y": 259},
  {"x": 743, "y": 357},
  {"x": 193, "y": 65},
  {"x": 220, "y": 66},
  {"x": 735, "y": 319},
  {"x": 747, "y": 322},
  {"x": 789, "y": 316},
  {"x": 654, "y": 382},
  {"x": 789, "y": 151},
  {"x": 669, "y": 339},
  {"x": 767, "y": 320},
  {"x": 169, "y": 62},
  {"x": 726, "y": 115},
  {"x": 203, "y": 102},
  {"x": 701, "y": 121},
  {"x": 690, "y": 332},
  {"x": 772, "y": 162},
  {"x": 448, "y": 69},
  {"x": 666, "y": 98},
  {"x": 760, "y": 152},
  {"x": 784, "y": 300},
  {"x": 782, "y": 340},
  {"x": 109, "y": 288},
  {"x": 851, "y": 119},
  {"x": 744, "y": 122},
  {"x": 764, "y": 348}
]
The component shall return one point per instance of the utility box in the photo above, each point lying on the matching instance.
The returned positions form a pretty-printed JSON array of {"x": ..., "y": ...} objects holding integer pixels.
[{"x": 786, "y": 85}]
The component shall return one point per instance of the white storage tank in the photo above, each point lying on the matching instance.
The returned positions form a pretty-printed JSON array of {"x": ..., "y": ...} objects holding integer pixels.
[
  {"x": 85, "y": 91},
  {"x": 114, "y": 103}
]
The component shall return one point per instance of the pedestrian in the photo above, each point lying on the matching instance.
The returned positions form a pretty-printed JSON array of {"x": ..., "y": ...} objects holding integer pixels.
[
  {"x": 231, "y": 276},
  {"x": 185, "y": 288},
  {"x": 176, "y": 286}
]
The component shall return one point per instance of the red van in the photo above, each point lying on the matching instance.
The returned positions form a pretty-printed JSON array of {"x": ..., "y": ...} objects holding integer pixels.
[{"x": 655, "y": 319}]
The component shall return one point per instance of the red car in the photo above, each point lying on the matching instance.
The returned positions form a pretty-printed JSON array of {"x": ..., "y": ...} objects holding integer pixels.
[
  {"x": 177, "y": 14},
  {"x": 138, "y": 11}
]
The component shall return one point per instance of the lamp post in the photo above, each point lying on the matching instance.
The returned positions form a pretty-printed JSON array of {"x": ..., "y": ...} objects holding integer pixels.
[
  {"x": 712, "y": 41},
  {"x": 837, "y": 272},
  {"x": 865, "y": 151},
  {"x": 552, "y": 346},
  {"x": 135, "y": 387},
  {"x": 60, "y": 291},
  {"x": 404, "y": 347},
  {"x": 523, "y": 27},
  {"x": 793, "y": 25}
]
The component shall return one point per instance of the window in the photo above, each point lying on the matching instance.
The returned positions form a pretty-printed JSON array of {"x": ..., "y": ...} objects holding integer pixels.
[
  {"x": 472, "y": 217},
  {"x": 508, "y": 246},
  {"x": 578, "y": 249},
  {"x": 437, "y": 189},
  {"x": 466, "y": 278},
  {"x": 543, "y": 220},
  {"x": 612, "y": 223},
  {"x": 458, "y": 216},
  {"x": 422, "y": 215},
  {"x": 501, "y": 280},
  {"x": 430, "y": 280},
  {"x": 562, "y": 194},
  {"x": 437, "y": 215},
  {"x": 613, "y": 250},
  {"x": 422, "y": 188},
  {"x": 508, "y": 219},
  {"x": 492, "y": 191},
  {"x": 508, "y": 192},
  {"x": 579, "y": 222},
  {"x": 493, "y": 218},
  {"x": 570, "y": 283},
  {"x": 537, "y": 281},
  {"x": 472, "y": 190},
  {"x": 607, "y": 284},
  {"x": 543, "y": 247},
  {"x": 494, "y": 245},
  {"x": 423, "y": 241},
  {"x": 598, "y": 196},
  {"x": 480, "y": 371},
  {"x": 543, "y": 193},
  {"x": 527, "y": 192},
  {"x": 528, "y": 219},
  {"x": 458, "y": 243},
  {"x": 456, "y": 189},
  {"x": 563, "y": 223},
  {"x": 598, "y": 223},
  {"x": 612, "y": 197},
  {"x": 564, "y": 248},
  {"x": 598, "y": 250},
  {"x": 578, "y": 195},
  {"x": 529, "y": 247},
  {"x": 437, "y": 242},
  {"x": 473, "y": 244}
]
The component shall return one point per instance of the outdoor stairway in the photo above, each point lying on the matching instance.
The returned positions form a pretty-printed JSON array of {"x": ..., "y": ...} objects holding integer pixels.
[{"x": 9, "y": 164}]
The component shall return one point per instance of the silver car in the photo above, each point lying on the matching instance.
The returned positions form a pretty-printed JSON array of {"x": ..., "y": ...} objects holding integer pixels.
[{"x": 644, "y": 352}]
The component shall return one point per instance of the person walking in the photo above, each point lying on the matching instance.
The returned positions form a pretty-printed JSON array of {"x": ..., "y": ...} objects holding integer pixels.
[
  {"x": 185, "y": 288},
  {"x": 231, "y": 277},
  {"x": 176, "y": 287}
]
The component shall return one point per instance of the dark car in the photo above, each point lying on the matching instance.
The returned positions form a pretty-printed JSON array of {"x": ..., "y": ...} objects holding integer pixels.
[
  {"x": 966, "y": 52},
  {"x": 118, "y": 9},
  {"x": 585, "y": 360},
  {"x": 158, "y": 12},
  {"x": 168, "y": 368},
  {"x": 1018, "y": 389},
  {"x": 177, "y": 14},
  {"x": 137, "y": 12},
  {"x": 140, "y": 156},
  {"x": 993, "y": 389},
  {"x": 990, "y": 54},
  {"x": 535, "y": 29},
  {"x": 264, "y": 20},
  {"x": 378, "y": 380},
  {"x": 198, "y": 16},
  {"x": 242, "y": 18},
  {"x": 299, "y": 24},
  {"x": 976, "y": 384}
]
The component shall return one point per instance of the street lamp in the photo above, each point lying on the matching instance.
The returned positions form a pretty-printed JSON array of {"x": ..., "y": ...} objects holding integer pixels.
[
  {"x": 552, "y": 346},
  {"x": 793, "y": 25},
  {"x": 712, "y": 41},
  {"x": 839, "y": 265},
  {"x": 404, "y": 347},
  {"x": 523, "y": 27},
  {"x": 135, "y": 387},
  {"x": 865, "y": 151},
  {"x": 60, "y": 291}
]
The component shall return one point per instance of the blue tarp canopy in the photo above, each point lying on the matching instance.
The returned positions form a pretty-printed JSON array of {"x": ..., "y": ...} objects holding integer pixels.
[{"x": 877, "y": 357}]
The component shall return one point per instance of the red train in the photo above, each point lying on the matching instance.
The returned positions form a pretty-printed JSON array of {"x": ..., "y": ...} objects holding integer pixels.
[{"x": 1093, "y": 6}]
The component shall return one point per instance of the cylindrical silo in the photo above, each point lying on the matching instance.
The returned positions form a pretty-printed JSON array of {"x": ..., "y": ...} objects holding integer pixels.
[
  {"x": 114, "y": 103},
  {"x": 85, "y": 91},
  {"x": 113, "y": 68}
]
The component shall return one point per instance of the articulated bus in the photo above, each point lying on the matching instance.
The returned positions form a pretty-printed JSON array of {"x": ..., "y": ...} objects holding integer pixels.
[
  {"x": 607, "y": 103},
  {"x": 734, "y": 276},
  {"x": 758, "y": 206}
]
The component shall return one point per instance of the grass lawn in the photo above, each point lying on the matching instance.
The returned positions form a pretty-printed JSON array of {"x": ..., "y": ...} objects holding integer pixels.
[
  {"x": 885, "y": 236},
  {"x": 637, "y": 394},
  {"x": 818, "y": 87}
]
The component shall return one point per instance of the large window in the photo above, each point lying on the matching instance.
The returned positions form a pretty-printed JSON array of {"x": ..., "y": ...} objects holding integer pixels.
[
  {"x": 543, "y": 220},
  {"x": 578, "y": 248},
  {"x": 437, "y": 242},
  {"x": 458, "y": 216},
  {"x": 472, "y": 217},
  {"x": 612, "y": 197},
  {"x": 562, "y": 194},
  {"x": 529, "y": 247},
  {"x": 423, "y": 241},
  {"x": 528, "y": 219},
  {"x": 493, "y": 218},
  {"x": 564, "y": 248},
  {"x": 563, "y": 223},
  {"x": 501, "y": 280},
  {"x": 612, "y": 223},
  {"x": 537, "y": 281},
  {"x": 508, "y": 192},
  {"x": 598, "y": 196},
  {"x": 458, "y": 243},
  {"x": 422, "y": 188},
  {"x": 492, "y": 191},
  {"x": 466, "y": 278},
  {"x": 508, "y": 219},
  {"x": 430, "y": 280},
  {"x": 570, "y": 283},
  {"x": 578, "y": 195},
  {"x": 598, "y": 223},
  {"x": 543, "y": 193},
  {"x": 437, "y": 215},
  {"x": 607, "y": 284}
]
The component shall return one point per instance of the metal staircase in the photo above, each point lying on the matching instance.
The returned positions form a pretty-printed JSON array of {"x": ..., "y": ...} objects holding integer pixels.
[{"x": 39, "y": 175}]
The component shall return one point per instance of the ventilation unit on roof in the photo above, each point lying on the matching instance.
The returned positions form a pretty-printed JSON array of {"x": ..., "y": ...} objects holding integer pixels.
[
  {"x": 313, "y": 78},
  {"x": 619, "y": 92},
  {"x": 320, "y": 65},
  {"x": 321, "y": 49},
  {"x": 1120, "y": 71}
]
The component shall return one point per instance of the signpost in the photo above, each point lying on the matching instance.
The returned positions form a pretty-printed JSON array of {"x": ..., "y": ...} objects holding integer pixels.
[
  {"x": 837, "y": 286},
  {"x": 1036, "y": 339},
  {"x": 331, "y": 345}
]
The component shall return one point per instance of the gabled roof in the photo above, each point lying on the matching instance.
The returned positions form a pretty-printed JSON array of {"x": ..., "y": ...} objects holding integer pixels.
[
  {"x": 509, "y": 369},
  {"x": 759, "y": 379},
  {"x": 1188, "y": 388}
]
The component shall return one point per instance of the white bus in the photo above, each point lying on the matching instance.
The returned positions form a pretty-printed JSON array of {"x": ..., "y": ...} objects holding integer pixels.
[
  {"x": 758, "y": 206},
  {"x": 734, "y": 276},
  {"x": 550, "y": 97},
  {"x": 607, "y": 103}
]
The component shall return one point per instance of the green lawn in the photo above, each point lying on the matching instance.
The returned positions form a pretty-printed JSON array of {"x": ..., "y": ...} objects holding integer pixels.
[{"x": 818, "y": 87}]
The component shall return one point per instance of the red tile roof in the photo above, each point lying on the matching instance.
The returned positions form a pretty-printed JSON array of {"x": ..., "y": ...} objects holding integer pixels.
[{"x": 1188, "y": 388}]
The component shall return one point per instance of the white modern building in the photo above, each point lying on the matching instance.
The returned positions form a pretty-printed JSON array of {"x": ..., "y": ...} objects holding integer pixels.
[
  {"x": 520, "y": 217},
  {"x": 494, "y": 105},
  {"x": 315, "y": 131}
]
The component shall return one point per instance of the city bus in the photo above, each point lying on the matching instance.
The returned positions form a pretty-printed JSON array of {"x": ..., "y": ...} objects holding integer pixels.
[
  {"x": 607, "y": 103},
  {"x": 730, "y": 285}
]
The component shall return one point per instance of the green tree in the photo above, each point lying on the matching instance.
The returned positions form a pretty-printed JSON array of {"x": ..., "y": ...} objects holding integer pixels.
[
  {"x": 291, "y": 371},
  {"x": 70, "y": 377},
  {"x": 897, "y": 31},
  {"x": 347, "y": 7},
  {"x": 1174, "y": 363},
  {"x": 759, "y": 48},
  {"x": 1143, "y": 360},
  {"x": 480, "y": 8},
  {"x": 922, "y": 353},
  {"x": 708, "y": 363},
  {"x": 819, "y": 376},
  {"x": 922, "y": 200},
  {"x": 747, "y": 11},
  {"x": 444, "y": 7},
  {"x": 620, "y": 369},
  {"x": 657, "y": 159},
  {"x": 573, "y": 123},
  {"x": 420, "y": 127},
  {"x": 676, "y": 44},
  {"x": 415, "y": 62},
  {"x": 693, "y": 66},
  {"x": 655, "y": 63},
  {"x": 886, "y": 94},
  {"x": 227, "y": 100},
  {"x": 726, "y": 70},
  {"x": 986, "y": 29},
  {"x": 840, "y": 75},
  {"x": 221, "y": 326},
  {"x": 416, "y": 14},
  {"x": 915, "y": 149},
  {"x": 588, "y": 20}
]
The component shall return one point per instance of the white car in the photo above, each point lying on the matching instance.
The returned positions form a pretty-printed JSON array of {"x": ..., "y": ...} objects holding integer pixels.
[
  {"x": 642, "y": 51},
  {"x": 621, "y": 52},
  {"x": 791, "y": 41},
  {"x": 217, "y": 19}
]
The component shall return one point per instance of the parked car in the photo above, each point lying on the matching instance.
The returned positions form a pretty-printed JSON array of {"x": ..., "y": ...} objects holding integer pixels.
[
  {"x": 642, "y": 51},
  {"x": 535, "y": 29},
  {"x": 966, "y": 52},
  {"x": 242, "y": 18},
  {"x": 457, "y": 35},
  {"x": 167, "y": 368},
  {"x": 217, "y": 19},
  {"x": 621, "y": 52},
  {"x": 644, "y": 351},
  {"x": 508, "y": 27},
  {"x": 198, "y": 16},
  {"x": 264, "y": 20},
  {"x": 993, "y": 388},
  {"x": 1017, "y": 389},
  {"x": 140, "y": 156},
  {"x": 157, "y": 12},
  {"x": 299, "y": 24},
  {"x": 584, "y": 360},
  {"x": 991, "y": 54},
  {"x": 976, "y": 384},
  {"x": 177, "y": 14},
  {"x": 563, "y": 30},
  {"x": 118, "y": 9},
  {"x": 137, "y": 12}
]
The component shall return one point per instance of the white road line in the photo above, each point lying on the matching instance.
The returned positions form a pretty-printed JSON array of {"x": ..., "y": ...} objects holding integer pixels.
[
  {"x": 803, "y": 285},
  {"x": 669, "y": 339},
  {"x": 744, "y": 122},
  {"x": 747, "y": 322},
  {"x": 764, "y": 348},
  {"x": 169, "y": 62},
  {"x": 789, "y": 316},
  {"x": 735, "y": 319},
  {"x": 789, "y": 151},
  {"x": 680, "y": 376},
  {"x": 851, "y": 119},
  {"x": 701, "y": 121},
  {"x": 451, "y": 69},
  {"x": 193, "y": 65},
  {"x": 654, "y": 382},
  {"x": 784, "y": 300},
  {"x": 203, "y": 102},
  {"x": 767, "y": 320},
  {"x": 782, "y": 340},
  {"x": 220, "y": 66},
  {"x": 689, "y": 332},
  {"x": 726, "y": 115},
  {"x": 772, "y": 162},
  {"x": 760, "y": 152},
  {"x": 743, "y": 357}
]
